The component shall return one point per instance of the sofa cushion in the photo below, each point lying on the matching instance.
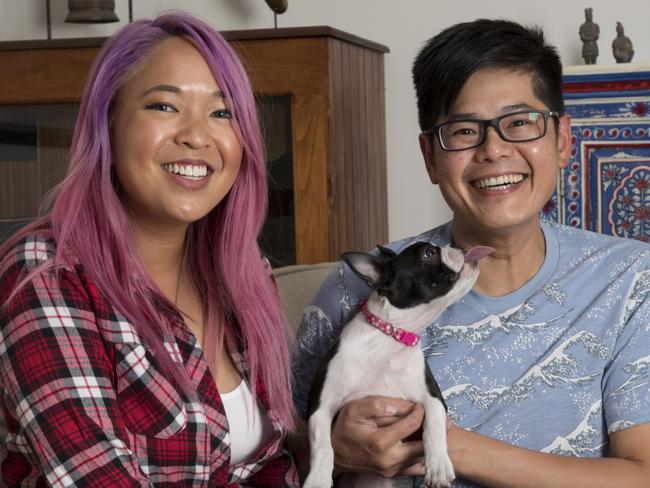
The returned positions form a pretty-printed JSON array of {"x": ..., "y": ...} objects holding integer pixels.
[{"x": 297, "y": 285}]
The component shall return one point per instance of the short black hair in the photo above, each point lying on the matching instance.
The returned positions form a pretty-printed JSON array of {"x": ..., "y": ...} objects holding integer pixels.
[{"x": 446, "y": 62}]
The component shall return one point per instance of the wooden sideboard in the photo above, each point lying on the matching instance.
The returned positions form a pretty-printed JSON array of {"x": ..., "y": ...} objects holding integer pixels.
[
  {"x": 321, "y": 96},
  {"x": 606, "y": 187}
]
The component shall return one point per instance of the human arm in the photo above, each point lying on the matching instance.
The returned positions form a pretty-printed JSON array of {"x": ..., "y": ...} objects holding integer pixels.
[
  {"x": 360, "y": 445},
  {"x": 59, "y": 388},
  {"x": 496, "y": 464}
]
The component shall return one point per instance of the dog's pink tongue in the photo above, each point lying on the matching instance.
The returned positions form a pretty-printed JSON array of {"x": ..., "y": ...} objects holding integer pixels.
[{"x": 478, "y": 252}]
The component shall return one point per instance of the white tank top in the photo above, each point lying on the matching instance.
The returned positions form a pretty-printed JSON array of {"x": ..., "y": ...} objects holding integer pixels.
[{"x": 249, "y": 426}]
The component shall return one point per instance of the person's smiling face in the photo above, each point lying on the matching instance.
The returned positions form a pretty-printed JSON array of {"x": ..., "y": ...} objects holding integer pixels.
[
  {"x": 498, "y": 185},
  {"x": 175, "y": 151}
]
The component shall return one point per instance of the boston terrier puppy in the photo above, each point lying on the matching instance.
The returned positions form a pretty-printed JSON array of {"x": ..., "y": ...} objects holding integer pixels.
[{"x": 378, "y": 352}]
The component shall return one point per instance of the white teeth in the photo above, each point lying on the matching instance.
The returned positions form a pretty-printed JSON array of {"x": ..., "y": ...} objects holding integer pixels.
[
  {"x": 499, "y": 182},
  {"x": 187, "y": 170}
]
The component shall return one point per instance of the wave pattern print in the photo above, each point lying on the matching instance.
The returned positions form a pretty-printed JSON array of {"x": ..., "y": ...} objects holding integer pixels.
[
  {"x": 640, "y": 292},
  {"x": 639, "y": 377},
  {"x": 559, "y": 368},
  {"x": 320, "y": 331},
  {"x": 584, "y": 440},
  {"x": 555, "y": 294},
  {"x": 480, "y": 332},
  {"x": 480, "y": 398},
  {"x": 343, "y": 289}
]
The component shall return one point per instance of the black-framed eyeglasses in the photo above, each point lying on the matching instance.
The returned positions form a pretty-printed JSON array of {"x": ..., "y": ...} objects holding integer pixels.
[{"x": 523, "y": 126}]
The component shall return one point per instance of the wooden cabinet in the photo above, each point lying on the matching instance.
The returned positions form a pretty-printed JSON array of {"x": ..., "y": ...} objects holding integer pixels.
[
  {"x": 606, "y": 187},
  {"x": 321, "y": 96}
]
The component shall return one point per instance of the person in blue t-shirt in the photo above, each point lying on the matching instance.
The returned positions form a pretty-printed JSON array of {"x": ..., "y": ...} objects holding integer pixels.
[{"x": 545, "y": 364}]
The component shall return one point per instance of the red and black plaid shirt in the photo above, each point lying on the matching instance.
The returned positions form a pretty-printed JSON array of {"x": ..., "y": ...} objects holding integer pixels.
[{"x": 86, "y": 405}]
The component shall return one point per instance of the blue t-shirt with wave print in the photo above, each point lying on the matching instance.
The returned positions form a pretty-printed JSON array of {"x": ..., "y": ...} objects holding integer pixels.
[{"x": 555, "y": 366}]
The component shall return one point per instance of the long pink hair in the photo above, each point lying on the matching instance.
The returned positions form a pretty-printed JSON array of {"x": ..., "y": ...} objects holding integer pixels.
[{"x": 88, "y": 220}]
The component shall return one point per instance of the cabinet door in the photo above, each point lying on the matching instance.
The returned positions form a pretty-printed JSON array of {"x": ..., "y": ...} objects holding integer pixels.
[
  {"x": 34, "y": 147},
  {"x": 277, "y": 241}
]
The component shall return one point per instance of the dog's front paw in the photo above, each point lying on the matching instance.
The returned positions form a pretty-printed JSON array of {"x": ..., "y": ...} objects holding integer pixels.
[
  {"x": 439, "y": 471},
  {"x": 318, "y": 480}
]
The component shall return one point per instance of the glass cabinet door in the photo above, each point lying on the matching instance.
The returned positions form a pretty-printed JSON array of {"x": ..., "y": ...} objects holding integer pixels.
[
  {"x": 34, "y": 147},
  {"x": 277, "y": 241}
]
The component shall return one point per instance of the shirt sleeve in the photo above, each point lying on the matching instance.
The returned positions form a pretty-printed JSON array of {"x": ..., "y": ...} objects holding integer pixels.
[
  {"x": 335, "y": 303},
  {"x": 626, "y": 386},
  {"x": 59, "y": 388}
]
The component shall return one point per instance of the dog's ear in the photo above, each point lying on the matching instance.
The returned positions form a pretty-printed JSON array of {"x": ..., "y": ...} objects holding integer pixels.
[
  {"x": 368, "y": 267},
  {"x": 385, "y": 252}
]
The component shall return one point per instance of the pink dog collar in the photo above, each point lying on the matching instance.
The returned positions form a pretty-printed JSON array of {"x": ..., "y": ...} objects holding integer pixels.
[{"x": 402, "y": 336}]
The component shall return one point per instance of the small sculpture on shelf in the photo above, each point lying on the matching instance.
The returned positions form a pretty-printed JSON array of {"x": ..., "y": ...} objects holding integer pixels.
[
  {"x": 589, "y": 32},
  {"x": 278, "y": 6},
  {"x": 91, "y": 11},
  {"x": 622, "y": 46}
]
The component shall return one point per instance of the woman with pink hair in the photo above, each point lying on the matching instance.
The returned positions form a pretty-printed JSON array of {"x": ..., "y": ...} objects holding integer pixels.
[{"x": 141, "y": 337}]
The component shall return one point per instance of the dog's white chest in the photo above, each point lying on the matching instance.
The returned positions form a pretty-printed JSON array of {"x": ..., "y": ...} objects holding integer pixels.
[{"x": 371, "y": 363}]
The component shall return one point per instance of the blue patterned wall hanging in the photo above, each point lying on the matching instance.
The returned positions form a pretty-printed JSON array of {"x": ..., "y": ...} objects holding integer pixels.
[{"x": 606, "y": 186}]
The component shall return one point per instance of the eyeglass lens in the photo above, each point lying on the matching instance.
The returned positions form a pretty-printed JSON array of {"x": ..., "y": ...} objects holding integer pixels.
[{"x": 518, "y": 127}]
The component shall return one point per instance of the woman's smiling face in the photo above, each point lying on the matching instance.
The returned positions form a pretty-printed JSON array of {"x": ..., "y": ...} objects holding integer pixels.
[
  {"x": 175, "y": 151},
  {"x": 498, "y": 185}
]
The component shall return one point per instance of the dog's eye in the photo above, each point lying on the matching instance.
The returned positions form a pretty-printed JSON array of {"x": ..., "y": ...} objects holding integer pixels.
[{"x": 429, "y": 252}]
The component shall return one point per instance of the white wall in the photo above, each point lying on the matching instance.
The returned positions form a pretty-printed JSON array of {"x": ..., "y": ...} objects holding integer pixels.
[{"x": 402, "y": 25}]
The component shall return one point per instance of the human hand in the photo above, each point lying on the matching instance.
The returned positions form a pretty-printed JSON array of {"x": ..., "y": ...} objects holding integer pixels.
[{"x": 376, "y": 434}]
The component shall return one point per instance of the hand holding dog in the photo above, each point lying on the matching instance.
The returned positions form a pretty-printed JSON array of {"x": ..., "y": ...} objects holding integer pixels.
[{"x": 371, "y": 434}]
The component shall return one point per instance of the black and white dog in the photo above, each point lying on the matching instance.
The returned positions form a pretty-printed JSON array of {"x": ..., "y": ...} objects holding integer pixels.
[{"x": 378, "y": 351}]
